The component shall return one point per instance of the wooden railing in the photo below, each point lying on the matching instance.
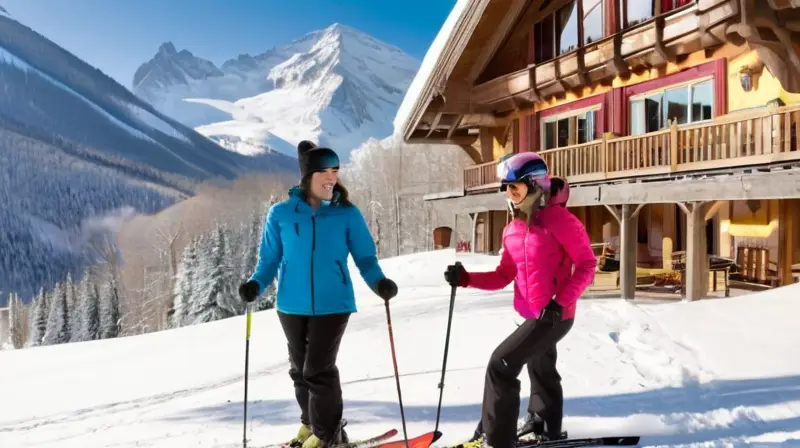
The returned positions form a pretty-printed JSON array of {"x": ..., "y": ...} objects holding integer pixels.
[
  {"x": 481, "y": 176},
  {"x": 736, "y": 140}
]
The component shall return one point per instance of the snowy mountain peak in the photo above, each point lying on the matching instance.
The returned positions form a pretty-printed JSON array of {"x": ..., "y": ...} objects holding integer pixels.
[
  {"x": 170, "y": 67},
  {"x": 337, "y": 86},
  {"x": 168, "y": 49},
  {"x": 4, "y": 12}
]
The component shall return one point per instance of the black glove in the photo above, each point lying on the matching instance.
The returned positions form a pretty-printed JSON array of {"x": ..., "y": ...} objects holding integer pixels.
[
  {"x": 456, "y": 275},
  {"x": 386, "y": 288},
  {"x": 248, "y": 291}
]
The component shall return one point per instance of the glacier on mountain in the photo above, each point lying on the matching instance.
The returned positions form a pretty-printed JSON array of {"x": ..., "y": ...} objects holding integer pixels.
[{"x": 336, "y": 86}]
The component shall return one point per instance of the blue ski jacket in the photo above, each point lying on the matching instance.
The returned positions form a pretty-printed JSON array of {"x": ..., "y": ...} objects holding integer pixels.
[{"x": 308, "y": 251}]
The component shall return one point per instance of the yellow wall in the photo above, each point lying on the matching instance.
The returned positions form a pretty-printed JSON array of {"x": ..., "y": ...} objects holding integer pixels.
[
  {"x": 765, "y": 86},
  {"x": 759, "y": 228}
]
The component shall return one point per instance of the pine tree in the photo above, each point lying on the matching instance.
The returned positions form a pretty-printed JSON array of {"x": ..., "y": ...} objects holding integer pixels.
[
  {"x": 253, "y": 240},
  {"x": 214, "y": 290},
  {"x": 184, "y": 284},
  {"x": 58, "y": 325},
  {"x": 88, "y": 315},
  {"x": 73, "y": 308},
  {"x": 266, "y": 300},
  {"x": 39, "y": 323},
  {"x": 110, "y": 325},
  {"x": 16, "y": 321}
]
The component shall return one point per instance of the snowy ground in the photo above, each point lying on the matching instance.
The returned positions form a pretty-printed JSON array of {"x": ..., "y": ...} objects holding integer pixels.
[{"x": 722, "y": 372}]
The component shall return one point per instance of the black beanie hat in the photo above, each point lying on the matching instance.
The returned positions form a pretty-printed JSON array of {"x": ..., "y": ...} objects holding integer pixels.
[{"x": 314, "y": 158}]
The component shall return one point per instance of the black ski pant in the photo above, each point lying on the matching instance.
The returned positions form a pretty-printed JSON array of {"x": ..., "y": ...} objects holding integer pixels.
[
  {"x": 313, "y": 346},
  {"x": 545, "y": 383},
  {"x": 532, "y": 343}
]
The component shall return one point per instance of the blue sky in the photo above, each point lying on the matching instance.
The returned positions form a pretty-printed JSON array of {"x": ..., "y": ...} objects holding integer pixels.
[{"x": 117, "y": 36}]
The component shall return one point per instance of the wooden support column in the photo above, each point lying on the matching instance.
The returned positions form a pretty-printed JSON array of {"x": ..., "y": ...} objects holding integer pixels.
[
  {"x": 492, "y": 142},
  {"x": 595, "y": 229},
  {"x": 474, "y": 219},
  {"x": 627, "y": 216},
  {"x": 696, "y": 280},
  {"x": 786, "y": 243}
]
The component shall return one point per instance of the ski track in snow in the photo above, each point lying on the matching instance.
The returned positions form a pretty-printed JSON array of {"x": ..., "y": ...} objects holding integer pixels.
[{"x": 627, "y": 368}]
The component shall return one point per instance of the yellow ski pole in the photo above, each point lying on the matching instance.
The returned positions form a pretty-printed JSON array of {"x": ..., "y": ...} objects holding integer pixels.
[{"x": 246, "y": 365}]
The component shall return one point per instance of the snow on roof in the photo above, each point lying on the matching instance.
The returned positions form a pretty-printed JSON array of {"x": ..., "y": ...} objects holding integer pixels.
[{"x": 431, "y": 60}]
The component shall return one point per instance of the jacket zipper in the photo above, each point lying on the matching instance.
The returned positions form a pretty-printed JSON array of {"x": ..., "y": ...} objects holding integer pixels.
[
  {"x": 525, "y": 246},
  {"x": 313, "y": 247}
]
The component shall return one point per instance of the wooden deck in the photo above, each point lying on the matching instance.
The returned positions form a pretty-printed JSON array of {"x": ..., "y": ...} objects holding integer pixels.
[{"x": 744, "y": 139}]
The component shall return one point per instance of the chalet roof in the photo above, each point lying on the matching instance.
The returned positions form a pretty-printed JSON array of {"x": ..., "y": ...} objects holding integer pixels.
[{"x": 420, "y": 89}]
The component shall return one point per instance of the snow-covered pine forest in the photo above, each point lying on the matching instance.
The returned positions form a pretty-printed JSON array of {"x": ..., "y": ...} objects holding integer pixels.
[
  {"x": 186, "y": 270},
  {"x": 209, "y": 272}
]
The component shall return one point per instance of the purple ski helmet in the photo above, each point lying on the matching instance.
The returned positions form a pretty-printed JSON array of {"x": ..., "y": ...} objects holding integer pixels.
[{"x": 523, "y": 167}]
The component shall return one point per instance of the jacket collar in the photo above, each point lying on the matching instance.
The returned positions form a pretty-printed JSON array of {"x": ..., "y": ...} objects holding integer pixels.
[{"x": 296, "y": 195}]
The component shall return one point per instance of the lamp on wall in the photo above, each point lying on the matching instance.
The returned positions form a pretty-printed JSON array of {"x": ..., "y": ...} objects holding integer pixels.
[
  {"x": 748, "y": 74},
  {"x": 746, "y": 78}
]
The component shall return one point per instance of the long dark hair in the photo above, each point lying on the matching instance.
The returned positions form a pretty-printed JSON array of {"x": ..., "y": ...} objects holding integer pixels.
[{"x": 341, "y": 196}]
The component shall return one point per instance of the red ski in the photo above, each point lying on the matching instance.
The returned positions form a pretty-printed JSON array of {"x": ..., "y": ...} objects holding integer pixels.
[{"x": 422, "y": 441}]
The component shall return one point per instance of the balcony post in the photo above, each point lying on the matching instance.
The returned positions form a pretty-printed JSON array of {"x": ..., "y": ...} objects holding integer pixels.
[
  {"x": 673, "y": 145},
  {"x": 696, "y": 280}
]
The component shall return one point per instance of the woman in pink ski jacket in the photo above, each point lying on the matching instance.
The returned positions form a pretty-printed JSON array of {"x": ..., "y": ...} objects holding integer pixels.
[{"x": 547, "y": 254}]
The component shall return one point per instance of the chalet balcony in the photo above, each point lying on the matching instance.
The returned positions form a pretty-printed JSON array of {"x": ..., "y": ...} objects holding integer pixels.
[
  {"x": 737, "y": 140},
  {"x": 652, "y": 42}
]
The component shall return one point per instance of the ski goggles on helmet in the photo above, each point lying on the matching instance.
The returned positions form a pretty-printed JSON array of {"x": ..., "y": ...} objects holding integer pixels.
[{"x": 523, "y": 167}]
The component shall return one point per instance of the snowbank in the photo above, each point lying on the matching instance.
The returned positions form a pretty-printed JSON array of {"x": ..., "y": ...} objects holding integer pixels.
[{"x": 708, "y": 373}]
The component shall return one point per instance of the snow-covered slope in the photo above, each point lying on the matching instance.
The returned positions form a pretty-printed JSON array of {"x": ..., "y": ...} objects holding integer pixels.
[
  {"x": 721, "y": 372},
  {"x": 76, "y": 145},
  {"x": 337, "y": 86}
]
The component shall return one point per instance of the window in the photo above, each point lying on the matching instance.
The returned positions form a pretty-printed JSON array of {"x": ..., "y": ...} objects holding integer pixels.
[
  {"x": 686, "y": 103},
  {"x": 570, "y": 128},
  {"x": 557, "y": 33},
  {"x": 638, "y": 11},
  {"x": 592, "y": 20},
  {"x": 669, "y": 5},
  {"x": 567, "y": 28}
]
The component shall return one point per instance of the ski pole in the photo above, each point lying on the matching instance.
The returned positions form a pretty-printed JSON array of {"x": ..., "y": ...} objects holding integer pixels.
[
  {"x": 446, "y": 348},
  {"x": 396, "y": 374},
  {"x": 246, "y": 368}
]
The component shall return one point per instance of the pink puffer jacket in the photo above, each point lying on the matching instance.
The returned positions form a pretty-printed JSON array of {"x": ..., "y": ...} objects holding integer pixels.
[{"x": 540, "y": 259}]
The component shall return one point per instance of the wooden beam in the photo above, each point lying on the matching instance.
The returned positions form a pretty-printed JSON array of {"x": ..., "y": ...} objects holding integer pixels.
[
  {"x": 627, "y": 253},
  {"x": 435, "y": 124},
  {"x": 455, "y": 140},
  {"x": 786, "y": 239},
  {"x": 490, "y": 138},
  {"x": 713, "y": 209},
  {"x": 696, "y": 253},
  {"x": 498, "y": 37},
  {"x": 473, "y": 153},
  {"x": 454, "y": 126},
  {"x": 638, "y": 209},
  {"x": 614, "y": 212}
]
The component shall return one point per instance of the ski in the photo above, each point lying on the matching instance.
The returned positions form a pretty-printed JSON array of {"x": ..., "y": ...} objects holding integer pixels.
[
  {"x": 421, "y": 441},
  {"x": 371, "y": 442},
  {"x": 586, "y": 441}
]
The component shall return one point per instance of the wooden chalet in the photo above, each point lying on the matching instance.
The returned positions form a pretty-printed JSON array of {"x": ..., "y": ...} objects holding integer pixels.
[{"x": 674, "y": 121}]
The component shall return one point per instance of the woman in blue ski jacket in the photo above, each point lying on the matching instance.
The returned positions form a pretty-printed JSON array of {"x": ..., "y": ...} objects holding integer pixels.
[{"x": 306, "y": 242}]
